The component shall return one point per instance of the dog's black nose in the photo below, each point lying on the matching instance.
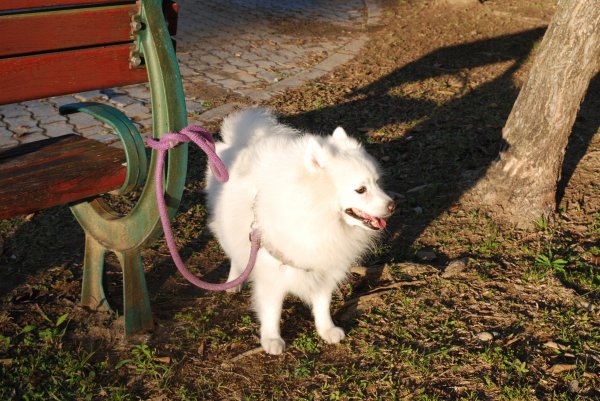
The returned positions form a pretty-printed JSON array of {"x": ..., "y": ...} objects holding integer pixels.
[{"x": 391, "y": 207}]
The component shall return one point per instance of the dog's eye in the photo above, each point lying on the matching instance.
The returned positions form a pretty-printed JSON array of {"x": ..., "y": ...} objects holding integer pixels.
[{"x": 361, "y": 190}]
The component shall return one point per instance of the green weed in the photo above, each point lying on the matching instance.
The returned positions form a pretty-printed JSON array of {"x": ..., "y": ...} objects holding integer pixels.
[
  {"x": 144, "y": 362},
  {"x": 307, "y": 343}
]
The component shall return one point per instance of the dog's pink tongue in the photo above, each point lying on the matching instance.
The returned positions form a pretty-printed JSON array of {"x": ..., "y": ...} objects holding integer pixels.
[{"x": 378, "y": 222}]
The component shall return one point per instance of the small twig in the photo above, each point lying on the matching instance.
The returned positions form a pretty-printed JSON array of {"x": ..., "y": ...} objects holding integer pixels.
[
  {"x": 245, "y": 354},
  {"x": 41, "y": 312},
  {"x": 376, "y": 292}
]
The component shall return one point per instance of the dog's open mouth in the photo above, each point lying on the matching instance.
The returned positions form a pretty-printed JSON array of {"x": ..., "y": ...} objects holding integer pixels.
[{"x": 374, "y": 223}]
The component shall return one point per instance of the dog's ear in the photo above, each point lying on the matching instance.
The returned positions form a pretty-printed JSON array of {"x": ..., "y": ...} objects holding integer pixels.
[
  {"x": 339, "y": 134},
  {"x": 316, "y": 155},
  {"x": 341, "y": 140}
]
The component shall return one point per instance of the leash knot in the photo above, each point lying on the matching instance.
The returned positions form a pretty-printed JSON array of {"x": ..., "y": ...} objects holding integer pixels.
[{"x": 201, "y": 137}]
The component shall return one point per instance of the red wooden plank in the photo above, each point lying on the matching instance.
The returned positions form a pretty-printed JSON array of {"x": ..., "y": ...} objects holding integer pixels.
[
  {"x": 6, "y": 5},
  {"x": 52, "y": 74},
  {"x": 66, "y": 29},
  {"x": 57, "y": 171}
]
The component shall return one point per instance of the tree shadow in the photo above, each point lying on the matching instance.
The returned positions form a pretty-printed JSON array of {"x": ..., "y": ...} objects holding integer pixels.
[
  {"x": 448, "y": 150},
  {"x": 452, "y": 144}
]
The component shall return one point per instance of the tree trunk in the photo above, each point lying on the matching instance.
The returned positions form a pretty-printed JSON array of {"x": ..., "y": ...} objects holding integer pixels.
[{"x": 521, "y": 185}]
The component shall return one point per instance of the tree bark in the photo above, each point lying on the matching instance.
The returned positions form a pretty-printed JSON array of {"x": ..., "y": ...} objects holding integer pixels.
[{"x": 521, "y": 185}]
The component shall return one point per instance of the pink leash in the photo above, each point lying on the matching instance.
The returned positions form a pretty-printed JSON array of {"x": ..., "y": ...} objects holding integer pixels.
[{"x": 204, "y": 140}]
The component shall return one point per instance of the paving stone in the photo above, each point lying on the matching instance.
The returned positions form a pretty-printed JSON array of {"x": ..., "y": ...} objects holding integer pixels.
[
  {"x": 268, "y": 76},
  {"x": 354, "y": 46},
  {"x": 83, "y": 120},
  {"x": 215, "y": 114},
  {"x": 246, "y": 78},
  {"x": 53, "y": 118},
  {"x": 141, "y": 92},
  {"x": 193, "y": 106},
  {"x": 58, "y": 128},
  {"x": 6, "y": 139},
  {"x": 334, "y": 61},
  {"x": 13, "y": 110},
  {"x": 33, "y": 137},
  {"x": 186, "y": 71},
  {"x": 122, "y": 100},
  {"x": 137, "y": 111},
  {"x": 21, "y": 124},
  {"x": 266, "y": 65},
  {"x": 62, "y": 100},
  {"x": 239, "y": 63},
  {"x": 103, "y": 137},
  {"x": 41, "y": 110},
  {"x": 230, "y": 84},
  {"x": 213, "y": 76},
  {"x": 230, "y": 69},
  {"x": 97, "y": 129},
  {"x": 256, "y": 95},
  {"x": 90, "y": 96}
]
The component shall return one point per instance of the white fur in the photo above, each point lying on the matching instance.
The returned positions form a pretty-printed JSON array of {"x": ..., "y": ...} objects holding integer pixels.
[{"x": 296, "y": 187}]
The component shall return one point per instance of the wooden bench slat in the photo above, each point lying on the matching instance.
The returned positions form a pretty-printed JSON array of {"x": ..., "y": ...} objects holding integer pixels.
[
  {"x": 52, "y": 74},
  {"x": 6, "y": 5},
  {"x": 57, "y": 171},
  {"x": 65, "y": 29}
]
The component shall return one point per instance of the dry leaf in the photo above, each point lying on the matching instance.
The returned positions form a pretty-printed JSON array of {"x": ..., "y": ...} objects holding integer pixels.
[{"x": 560, "y": 368}]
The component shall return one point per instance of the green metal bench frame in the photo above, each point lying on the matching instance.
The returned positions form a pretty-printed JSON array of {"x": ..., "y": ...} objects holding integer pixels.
[{"x": 107, "y": 230}]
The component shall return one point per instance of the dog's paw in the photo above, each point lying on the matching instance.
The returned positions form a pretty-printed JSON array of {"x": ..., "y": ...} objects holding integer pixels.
[
  {"x": 273, "y": 346},
  {"x": 333, "y": 335}
]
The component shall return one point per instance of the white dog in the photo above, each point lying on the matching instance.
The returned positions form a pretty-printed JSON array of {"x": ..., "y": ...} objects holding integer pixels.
[{"x": 316, "y": 202}]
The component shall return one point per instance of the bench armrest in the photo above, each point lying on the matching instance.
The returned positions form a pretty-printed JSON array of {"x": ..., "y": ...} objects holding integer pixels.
[{"x": 131, "y": 139}]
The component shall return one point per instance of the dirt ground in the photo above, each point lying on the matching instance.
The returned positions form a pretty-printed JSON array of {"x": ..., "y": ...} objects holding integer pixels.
[{"x": 451, "y": 305}]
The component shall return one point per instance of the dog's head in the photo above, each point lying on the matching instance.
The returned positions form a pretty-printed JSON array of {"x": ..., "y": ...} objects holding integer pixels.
[{"x": 354, "y": 176}]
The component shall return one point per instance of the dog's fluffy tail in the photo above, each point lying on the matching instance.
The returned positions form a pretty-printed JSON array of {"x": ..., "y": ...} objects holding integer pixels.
[
  {"x": 243, "y": 127},
  {"x": 247, "y": 126}
]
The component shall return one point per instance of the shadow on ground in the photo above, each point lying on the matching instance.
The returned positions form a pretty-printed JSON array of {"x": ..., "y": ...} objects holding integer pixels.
[{"x": 429, "y": 167}]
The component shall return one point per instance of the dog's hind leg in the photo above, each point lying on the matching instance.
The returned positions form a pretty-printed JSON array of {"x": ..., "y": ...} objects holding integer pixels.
[
  {"x": 325, "y": 327},
  {"x": 235, "y": 270}
]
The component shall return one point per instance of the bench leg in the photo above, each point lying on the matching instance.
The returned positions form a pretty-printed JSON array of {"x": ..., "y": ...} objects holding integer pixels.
[
  {"x": 136, "y": 303},
  {"x": 92, "y": 291}
]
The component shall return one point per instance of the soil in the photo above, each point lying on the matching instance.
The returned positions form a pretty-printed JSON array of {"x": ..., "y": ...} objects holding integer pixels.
[{"x": 451, "y": 305}]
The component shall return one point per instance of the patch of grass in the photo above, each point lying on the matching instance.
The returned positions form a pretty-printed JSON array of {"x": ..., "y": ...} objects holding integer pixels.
[
  {"x": 551, "y": 262},
  {"x": 37, "y": 366},
  {"x": 145, "y": 362},
  {"x": 307, "y": 343}
]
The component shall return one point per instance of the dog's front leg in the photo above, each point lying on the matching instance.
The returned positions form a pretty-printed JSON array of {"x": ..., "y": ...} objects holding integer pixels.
[
  {"x": 327, "y": 330},
  {"x": 268, "y": 302}
]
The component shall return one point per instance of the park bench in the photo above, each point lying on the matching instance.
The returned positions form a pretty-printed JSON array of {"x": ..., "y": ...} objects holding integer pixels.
[{"x": 57, "y": 47}]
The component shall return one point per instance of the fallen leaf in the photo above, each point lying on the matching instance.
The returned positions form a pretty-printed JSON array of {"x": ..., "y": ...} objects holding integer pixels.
[
  {"x": 6, "y": 362},
  {"x": 560, "y": 368}
]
